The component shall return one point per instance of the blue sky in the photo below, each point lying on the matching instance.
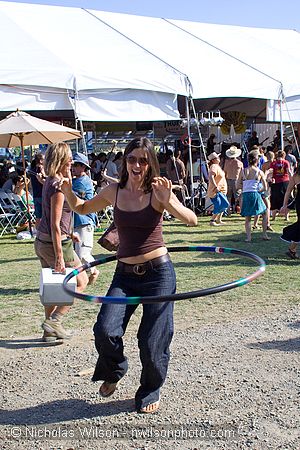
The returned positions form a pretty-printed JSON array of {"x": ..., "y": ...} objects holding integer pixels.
[{"x": 254, "y": 13}]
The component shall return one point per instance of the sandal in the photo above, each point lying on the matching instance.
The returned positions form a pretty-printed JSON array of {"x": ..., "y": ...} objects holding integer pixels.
[
  {"x": 292, "y": 254},
  {"x": 107, "y": 389},
  {"x": 150, "y": 409}
]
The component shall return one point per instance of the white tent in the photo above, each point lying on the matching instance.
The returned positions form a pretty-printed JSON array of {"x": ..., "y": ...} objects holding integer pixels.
[
  {"x": 222, "y": 61},
  {"x": 114, "y": 67},
  {"x": 63, "y": 58}
]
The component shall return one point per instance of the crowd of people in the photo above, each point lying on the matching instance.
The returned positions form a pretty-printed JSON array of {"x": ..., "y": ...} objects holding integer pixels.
[
  {"x": 220, "y": 173},
  {"x": 66, "y": 200},
  {"x": 256, "y": 189}
]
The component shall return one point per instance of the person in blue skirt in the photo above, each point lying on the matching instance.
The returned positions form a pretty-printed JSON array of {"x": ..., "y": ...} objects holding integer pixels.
[{"x": 253, "y": 183}]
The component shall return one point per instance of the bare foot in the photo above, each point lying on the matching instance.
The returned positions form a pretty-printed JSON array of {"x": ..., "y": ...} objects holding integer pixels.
[
  {"x": 150, "y": 409},
  {"x": 93, "y": 277},
  {"x": 107, "y": 389}
]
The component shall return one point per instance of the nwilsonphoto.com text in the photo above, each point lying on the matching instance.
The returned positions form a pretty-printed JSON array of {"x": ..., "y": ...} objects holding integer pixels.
[{"x": 174, "y": 432}]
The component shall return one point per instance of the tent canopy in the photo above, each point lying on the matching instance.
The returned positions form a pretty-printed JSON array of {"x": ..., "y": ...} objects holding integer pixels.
[{"x": 112, "y": 67}]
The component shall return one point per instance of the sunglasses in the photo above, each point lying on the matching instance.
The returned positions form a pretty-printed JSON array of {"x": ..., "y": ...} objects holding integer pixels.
[
  {"x": 133, "y": 160},
  {"x": 76, "y": 164}
]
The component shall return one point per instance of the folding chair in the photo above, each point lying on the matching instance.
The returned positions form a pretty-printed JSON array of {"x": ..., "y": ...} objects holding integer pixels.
[
  {"x": 21, "y": 208},
  {"x": 6, "y": 221},
  {"x": 106, "y": 215},
  {"x": 11, "y": 206}
]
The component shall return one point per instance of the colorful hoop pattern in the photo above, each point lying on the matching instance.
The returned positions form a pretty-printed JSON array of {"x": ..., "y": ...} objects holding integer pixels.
[{"x": 173, "y": 297}]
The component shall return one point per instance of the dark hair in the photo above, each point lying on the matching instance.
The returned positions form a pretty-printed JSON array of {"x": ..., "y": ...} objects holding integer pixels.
[
  {"x": 101, "y": 155},
  {"x": 253, "y": 158},
  {"x": 119, "y": 155},
  {"x": 280, "y": 154},
  {"x": 288, "y": 148},
  {"x": 38, "y": 157},
  {"x": 18, "y": 178},
  {"x": 153, "y": 167}
]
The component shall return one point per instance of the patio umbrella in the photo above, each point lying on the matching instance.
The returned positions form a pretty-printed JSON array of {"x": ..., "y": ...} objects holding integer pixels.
[{"x": 20, "y": 129}]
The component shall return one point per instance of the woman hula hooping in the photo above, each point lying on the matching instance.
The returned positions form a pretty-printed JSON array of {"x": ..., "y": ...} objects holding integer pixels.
[{"x": 139, "y": 200}]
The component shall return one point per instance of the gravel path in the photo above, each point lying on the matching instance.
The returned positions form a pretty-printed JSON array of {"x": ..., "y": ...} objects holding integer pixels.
[{"x": 230, "y": 386}]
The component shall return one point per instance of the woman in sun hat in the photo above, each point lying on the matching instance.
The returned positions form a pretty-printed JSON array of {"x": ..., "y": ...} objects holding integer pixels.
[
  {"x": 232, "y": 169},
  {"x": 216, "y": 183}
]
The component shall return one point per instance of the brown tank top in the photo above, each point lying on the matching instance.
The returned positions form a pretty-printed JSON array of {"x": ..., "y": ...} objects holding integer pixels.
[
  {"x": 140, "y": 231},
  {"x": 49, "y": 189}
]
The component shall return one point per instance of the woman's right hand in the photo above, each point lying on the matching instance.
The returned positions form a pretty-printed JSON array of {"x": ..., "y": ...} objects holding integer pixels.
[{"x": 59, "y": 264}]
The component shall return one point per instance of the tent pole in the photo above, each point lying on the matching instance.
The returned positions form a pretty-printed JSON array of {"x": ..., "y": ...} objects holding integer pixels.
[
  {"x": 281, "y": 120},
  {"x": 202, "y": 152},
  {"x": 73, "y": 99},
  {"x": 80, "y": 123},
  {"x": 190, "y": 151}
]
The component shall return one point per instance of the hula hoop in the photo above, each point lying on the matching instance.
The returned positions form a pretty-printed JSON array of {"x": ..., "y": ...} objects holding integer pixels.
[{"x": 173, "y": 297}]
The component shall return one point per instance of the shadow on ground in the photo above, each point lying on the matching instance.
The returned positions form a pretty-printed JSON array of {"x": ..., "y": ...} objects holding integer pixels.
[
  {"x": 62, "y": 411},
  {"x": 19, "y": 292},
  {"x": 288, "y": 345}
]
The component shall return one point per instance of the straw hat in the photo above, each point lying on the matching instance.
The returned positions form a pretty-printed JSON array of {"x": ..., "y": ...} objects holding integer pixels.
[
  {"x": 233, "y": 152},
  {"x": 212, "y": 156}
]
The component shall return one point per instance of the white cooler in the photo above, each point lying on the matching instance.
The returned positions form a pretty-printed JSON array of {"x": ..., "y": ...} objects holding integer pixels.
[{"x": 51, "y": 289}]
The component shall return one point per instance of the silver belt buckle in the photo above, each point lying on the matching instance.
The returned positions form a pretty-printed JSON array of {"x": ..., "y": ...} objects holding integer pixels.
[{"x": 138, "y": 269}]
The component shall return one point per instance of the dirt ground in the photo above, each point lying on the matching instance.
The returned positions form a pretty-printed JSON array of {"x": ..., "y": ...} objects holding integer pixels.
[{"x": 231, "y": 385}]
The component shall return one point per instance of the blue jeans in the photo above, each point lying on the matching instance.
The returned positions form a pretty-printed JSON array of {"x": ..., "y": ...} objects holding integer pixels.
[{"x": 154, "y": 335}]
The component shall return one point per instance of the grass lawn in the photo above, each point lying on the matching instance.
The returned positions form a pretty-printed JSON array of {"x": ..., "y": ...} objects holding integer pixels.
[{"x": 21, "y": 312}]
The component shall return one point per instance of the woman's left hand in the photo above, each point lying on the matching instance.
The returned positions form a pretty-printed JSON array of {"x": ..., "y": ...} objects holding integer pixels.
[
  {"x": 162, "y": 188},
  {"x": 65, "y": 182}
]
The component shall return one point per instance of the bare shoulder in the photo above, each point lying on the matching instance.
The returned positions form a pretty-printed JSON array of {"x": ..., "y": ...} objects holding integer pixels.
[
  {"x": 109, "y": 193},
  {"x": 261, "y": 173}
]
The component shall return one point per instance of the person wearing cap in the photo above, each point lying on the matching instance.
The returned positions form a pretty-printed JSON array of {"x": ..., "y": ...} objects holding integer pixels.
[
  {"x": 84, "y": 225},
  {"x": 216, "y": 183},
  {"x": 232, "y": 169}
]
